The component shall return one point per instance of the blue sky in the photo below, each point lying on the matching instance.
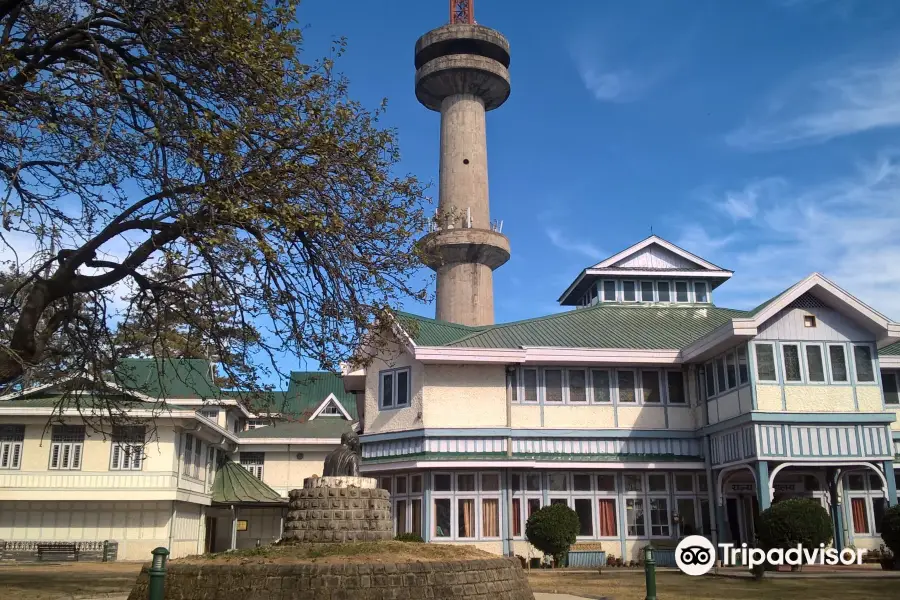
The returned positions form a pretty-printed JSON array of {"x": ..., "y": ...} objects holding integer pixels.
[{"x": 760, "y": 135}]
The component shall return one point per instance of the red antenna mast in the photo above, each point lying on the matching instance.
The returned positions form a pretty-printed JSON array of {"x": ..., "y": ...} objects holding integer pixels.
[{"x": 461, "y": 11}]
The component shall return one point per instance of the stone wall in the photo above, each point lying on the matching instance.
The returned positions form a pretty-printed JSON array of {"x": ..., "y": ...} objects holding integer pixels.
[
  {"x": 339, "y": 515},
  {"x": 490, "y": 579}
]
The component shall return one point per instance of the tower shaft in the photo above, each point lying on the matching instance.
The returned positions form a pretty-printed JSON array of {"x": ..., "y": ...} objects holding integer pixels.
[{"x": 462, "y": 72}]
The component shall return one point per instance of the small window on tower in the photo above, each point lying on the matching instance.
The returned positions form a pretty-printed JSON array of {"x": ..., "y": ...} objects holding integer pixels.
[{"x": 809, "y": 321}]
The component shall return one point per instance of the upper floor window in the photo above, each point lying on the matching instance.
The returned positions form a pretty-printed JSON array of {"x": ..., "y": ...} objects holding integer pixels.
[
  {"x": 628, "y": 291},
  {"x": 192, "y": 457},
  {"x": 675, "y": 387},
  {"x": 791, "y": 356},
  {"x": 681, "y": 291},
  {"x": 256, "y": 423},
  {"x": 765, "y": 362},
  {"x": 602, "y": 385},
  {"x": 394, "y": 388},
  {"x": 12, "y": 438},
  {"x": 815, "y": 365},
  {"x": 331, "y": 410},
  {"x": 210, "y": 413},
  {"x": 891, "y": 389},
  {"x": 253, "y": 462},
  {"x": 646, "y": 291},
  {"x": 553, "y": 390},
  {"x": 529, "y": 385},
  {"x": 662, "y": 291},
  {"x": 701, "y": 293},
  {"x": 127, "y": 452},
  {"x": 66, "y": 447},
  {"x": 864, "y": 363},
  {"x": 577, "y": 386},
  {"x": 837, "y": 360},
  {"x": 609, "y": 291}
]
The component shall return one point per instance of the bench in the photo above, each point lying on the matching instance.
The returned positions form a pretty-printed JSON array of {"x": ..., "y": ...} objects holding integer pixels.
[{"x": 58, "y": 548}]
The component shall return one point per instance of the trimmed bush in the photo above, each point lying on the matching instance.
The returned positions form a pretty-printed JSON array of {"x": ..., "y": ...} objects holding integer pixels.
[
  {"x": 410, "y": 537},
  {"x": 890, "y": 531},
  {"x": 552, "y": 530},
  {"x": 794, "y": 521}
]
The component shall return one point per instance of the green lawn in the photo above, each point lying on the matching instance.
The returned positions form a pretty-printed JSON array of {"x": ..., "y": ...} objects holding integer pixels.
[{"x": 618, "y": 584}]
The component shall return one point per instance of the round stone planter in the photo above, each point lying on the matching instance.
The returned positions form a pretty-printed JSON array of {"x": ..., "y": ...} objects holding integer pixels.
[
  {"x": 331, "y": 514},
  {"x": 482, "y": 579}
]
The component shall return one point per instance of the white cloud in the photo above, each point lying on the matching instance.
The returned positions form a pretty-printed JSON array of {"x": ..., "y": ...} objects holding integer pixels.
[
  {"x": 845, "y": 228},
  {"x": 695, "y": 239},
  {"x": 613, "y": 85},
  {"x": 818, "y": 108},
  {"x": 569, "y": 244}
]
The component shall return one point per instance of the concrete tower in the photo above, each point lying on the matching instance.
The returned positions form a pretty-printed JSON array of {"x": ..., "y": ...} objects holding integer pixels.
[{"x": 462, "y": 72}]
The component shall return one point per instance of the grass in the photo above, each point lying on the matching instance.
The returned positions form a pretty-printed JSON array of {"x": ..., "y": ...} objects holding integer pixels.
[
  {"x": 618, "y": 584},
  {"x": 373, "y": 552}
]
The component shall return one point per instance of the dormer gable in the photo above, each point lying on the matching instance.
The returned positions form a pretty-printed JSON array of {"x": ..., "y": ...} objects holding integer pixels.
[{"x": 652, "y": 271}]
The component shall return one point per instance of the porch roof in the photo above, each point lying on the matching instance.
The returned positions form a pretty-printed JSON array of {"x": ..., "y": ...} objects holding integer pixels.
[{"x": 235, "y": 485}]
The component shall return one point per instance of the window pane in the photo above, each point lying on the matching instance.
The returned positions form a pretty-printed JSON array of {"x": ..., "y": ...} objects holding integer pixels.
[
  {"x": 659, "y": 516},
  {"x": 442, "y": 517},
  {"x": 710, "y": 380},
  {"x": 743, "y": 372},
  {"x": 385, "y": 483},
  {"x": 513, "y": 383},
  {"x": 634, "y": 516},
  {"x": 684, "y": 483},
  {"x": 558, "y": 482},
  {"x": 860, "y": 515},
  {"x": 606, "y": 483},
  {"x": 465, "y": 482},
  {"x": 415, "y": 484},
  {"x": 600, "y": 380},
  {"x": 701, "y": 482},
  {"x": 633, "y": 483},
  {"x": 577, "y": 385},
  {"x": 534, "y": 505},
  {"x": 650, "y": 387},
  {"x": 490, "y": 517},
  {"x": 815, "y": 368},
  {"x": 681, "y": 291},
  {"x": 891, "y": 393},
  {"x": 656, "y": 482},
  {"x": 490, "y": 482},
  {"x": 581, "y": 482},
  {"x": 879, "y": 506},
  {"x": 553, "y": 385},
  {"x": 675, "y": 380},
  {"x": 646, "y": 291},
  {"x": 720, "y": 375},
  {"x": 516, "y": 482},
  {"x": 532, "y": 482},
  {"x": 584, "y": 509},
  {"x": 562, "y": 501},
  {"x": 517, "y": 517},
  {"x": 416, "y": 506},
  {"x": 401, "y": 484},
  {"x": 606, "y": 517},
  {"x": 856, "y": 482},
  {"x": 686, "y": 516},
  {"x": 402, "y": 388},
  {"x": 838, "y": 363},
  {"x": 465, "y": 518},
  {"x": 662, "y": 289},
  {"x": 529, "y": 382},
  {"x": 731, "y": 370},
  {"x": 400, "y": 516},
  {"x": 791, "y": 362},
  {"x": 765, "y": 362},
  {"x": 387, "y": 390},
  {"x": 609, "y": 291},
  {"x": 626, "y": 386},
  {"x": 700, "y": 292},
  {"x": 704, "y": 517},
  {"x": 628, "y": 291},
  {"x": 443, "y": 482},
  {"x": 862, "y": 359}
]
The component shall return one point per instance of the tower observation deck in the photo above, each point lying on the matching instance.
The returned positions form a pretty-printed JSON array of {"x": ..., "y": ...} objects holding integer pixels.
[{"x": 462, "y": 72}]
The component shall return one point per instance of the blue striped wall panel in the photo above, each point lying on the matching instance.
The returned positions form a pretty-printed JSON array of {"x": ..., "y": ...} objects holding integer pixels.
[{"x": 823, "y": 441}]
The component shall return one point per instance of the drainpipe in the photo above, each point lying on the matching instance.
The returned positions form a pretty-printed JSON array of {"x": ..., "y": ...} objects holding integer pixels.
[
  {"x": 510, "y": 370},
  {"x": 172, "y": 526},
  {"x": 233, "y": 527}
]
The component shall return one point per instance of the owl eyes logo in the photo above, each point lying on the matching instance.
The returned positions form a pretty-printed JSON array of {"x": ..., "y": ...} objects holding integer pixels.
[{"x": 695, "y": 555}]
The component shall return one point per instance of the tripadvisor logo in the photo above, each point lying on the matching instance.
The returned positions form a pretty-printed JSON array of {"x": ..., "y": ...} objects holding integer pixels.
[{"x": 695, "y": 555}]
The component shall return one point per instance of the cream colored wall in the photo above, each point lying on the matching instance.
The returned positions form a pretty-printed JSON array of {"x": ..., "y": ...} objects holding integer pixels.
[
  {"x": 188, "y": 530},
  {"x": 768, "y": 398},
  {"x": 642, "y": 417},
  {"x": 579, "y": 417},
  {"x": 820, "y": 398},
  {"x": 283, "y": 472},
  {"x": 870, "y": 398},
  {"x": 682, "y": 417},
  {"x": 139, "y": 527},
  {"x": 393, "y": 356},
  {"x": 465, "y": 396},
  {"x": 263, "y": 524},
  {"x": 525, "y": 416},
  {"x": 728, "y": 405}
]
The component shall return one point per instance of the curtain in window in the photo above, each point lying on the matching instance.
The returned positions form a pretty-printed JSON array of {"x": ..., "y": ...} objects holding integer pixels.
[
  {"x": 607, "y": 518},
  {"x": 416, "y": 509},
  {"x": 860, "y": 522},
  {"x": 490, "y": 517},
  {"x": 466, "y": 518},
  {"x": 517, "y": 517}
]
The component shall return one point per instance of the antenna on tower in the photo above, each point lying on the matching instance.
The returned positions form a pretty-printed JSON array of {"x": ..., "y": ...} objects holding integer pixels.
[{"x": 462, "y": 11}]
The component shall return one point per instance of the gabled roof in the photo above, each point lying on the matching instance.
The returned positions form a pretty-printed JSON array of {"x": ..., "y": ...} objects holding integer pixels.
[
  {"x": 651, "y": 257},
  {"x": 324, "y": 429},
  {"x": 172, "y": 378},
  {"x": 233, "y": 484},
  {"x": 331, "y": 400},
  {"x": 308, "y": 389}
]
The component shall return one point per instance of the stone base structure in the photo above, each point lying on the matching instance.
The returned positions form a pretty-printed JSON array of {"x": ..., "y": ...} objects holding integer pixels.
[
  {"x": 338, "y": 509},
  {"x": 488, "y": 579}
]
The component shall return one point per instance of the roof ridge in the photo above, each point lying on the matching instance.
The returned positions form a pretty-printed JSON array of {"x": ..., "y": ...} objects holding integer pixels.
[{"x": 443, "y": 323}]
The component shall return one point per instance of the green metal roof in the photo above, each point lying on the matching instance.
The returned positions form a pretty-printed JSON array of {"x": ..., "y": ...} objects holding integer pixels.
[
  {"x": 600, "y": 326},
  {"x": 173, "y": 378},
  {"x": 52, "y": 398},
  {"x": 320, "y": 427},
  {"x": 235, "y": 485},
  {"x": 308, "y": 389},
  {"x": 892, "y": 350}
]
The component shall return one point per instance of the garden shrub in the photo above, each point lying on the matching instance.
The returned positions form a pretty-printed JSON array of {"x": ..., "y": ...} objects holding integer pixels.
[
  {"x": 409, "y": 537},
  {"x": 890, "y": 531},
  {"x": 794, "y": 521},
  {"x": 552, "y": 530}
]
